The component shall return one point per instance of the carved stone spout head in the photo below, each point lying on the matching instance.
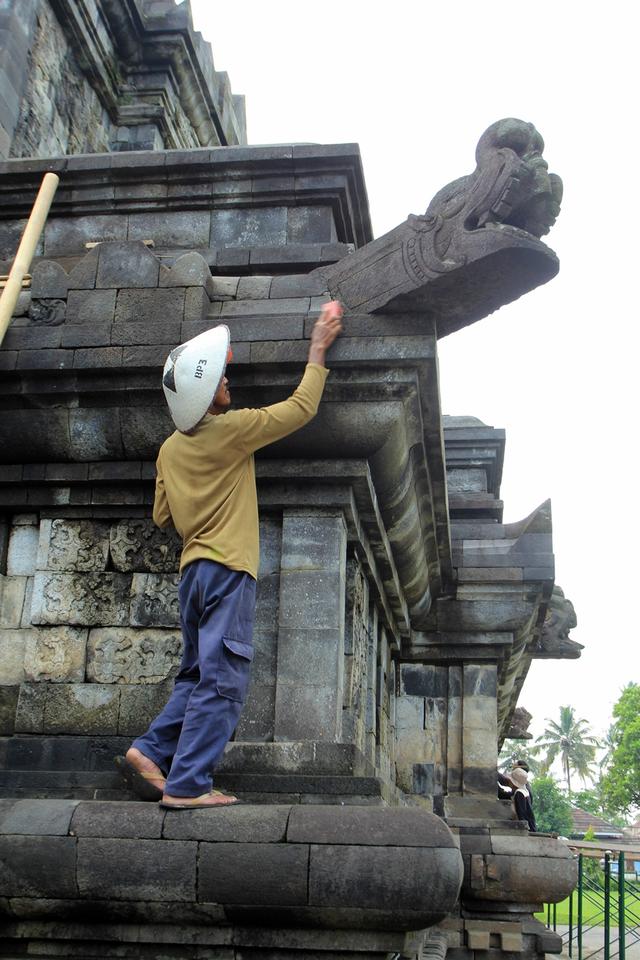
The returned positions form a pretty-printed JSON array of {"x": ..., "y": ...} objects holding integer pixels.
[
  {"x": 476, "y": 248},
  {"x": 515, "y": 185}
]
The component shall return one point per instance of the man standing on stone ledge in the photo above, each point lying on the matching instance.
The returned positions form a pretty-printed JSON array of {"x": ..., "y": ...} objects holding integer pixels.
[{"x": 206, "y": 487}]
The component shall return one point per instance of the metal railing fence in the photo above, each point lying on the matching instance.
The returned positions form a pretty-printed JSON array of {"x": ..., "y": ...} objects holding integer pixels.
[{"x": 603, "y": 912}]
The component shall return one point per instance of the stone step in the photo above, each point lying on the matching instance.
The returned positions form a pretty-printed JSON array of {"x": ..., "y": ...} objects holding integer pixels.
[
  {"x": 37, "y": 752},
  {"x": 69, "y": 784},
  {"x": 254, "y": 788}
]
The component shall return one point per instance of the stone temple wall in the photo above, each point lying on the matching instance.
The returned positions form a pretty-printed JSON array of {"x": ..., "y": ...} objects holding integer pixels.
[
  {"x": 89, "y": 76},
  {"x": 60, "y": 111}
]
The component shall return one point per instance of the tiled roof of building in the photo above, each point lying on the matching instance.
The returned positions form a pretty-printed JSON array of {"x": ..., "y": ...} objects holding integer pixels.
[{"x": 582, "y": 820}]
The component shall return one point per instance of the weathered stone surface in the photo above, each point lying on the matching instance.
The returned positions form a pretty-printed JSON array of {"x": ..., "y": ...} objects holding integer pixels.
[
  {"x": 196, "y": 305},
  {"x": 8, "y": 708},
  {"x": 30, "y": 709},
  {"x": 154, "y": 600},
  {"x": 83, "y": 599},
  {"x": 254, "y": 288},
  {"x": 423, "y": 680},
  {"x": 528, "y": 879},
  {"x": 82, "y": 708},
  {"x": 249, "y": 227},
  {"x": 189, "y": 270},
  {"x": 39, "y": 818},
  {"x": 529, "y": 845},
  {"x": 183, "y": 228},
  {"x": 264, "y": 328},
  {"x": 83, "y": 274},
  {"x": 250, "y": 824},
  {"x": 296, "y": 307},
  {"x": 130, "y": 869},
  {"x": 402, "y": 878},
  {"x": 12, "y": 651},
  {"x": 49, "y": 279},
  {"x": 38, "y": 867},
  {"x": 307, "y": 711},
  {"x": 23, "y": 547},
  {"x": 127, "y": 655},
  {"x": 258, "y": 717},
  {"x": 124, "y": 820},
  {"x": 126, "y": 265},
  {"x": 138, "y": 545},
  {"x": 12, "y": 599},
  {"x": 402, "y": 827},
  {"x": 73, "y": 545},
  {"x": 139, "y": 704},
  {"x": 225, "y": 288},
  {"x": 266, "y": 873},
  {"x": 149, "y": 307},
  {"x": 62, "y": 235},
  {"x": 55, "y": 654},
  {"x": 91, "y": 306}
]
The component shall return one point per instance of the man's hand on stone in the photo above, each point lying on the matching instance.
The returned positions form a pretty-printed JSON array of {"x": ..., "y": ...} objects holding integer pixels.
[{"x": 327, "y": 327}]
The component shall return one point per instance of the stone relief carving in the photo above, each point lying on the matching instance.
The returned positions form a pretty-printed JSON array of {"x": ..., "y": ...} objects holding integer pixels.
[
  {"x": 132, "y": 656},
  {"x": 74, "y": 545},
  {"x": 48, "y": 312},
  {"x": 55, "y": 654},
  {"x": 139, "y": 546},
  {"x": 154, "y": 600},
  {"x": 84, "y": 599}
]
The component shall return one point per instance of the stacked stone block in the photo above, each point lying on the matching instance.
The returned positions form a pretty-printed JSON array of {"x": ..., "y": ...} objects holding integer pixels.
[{"x": 89, "y": 617}]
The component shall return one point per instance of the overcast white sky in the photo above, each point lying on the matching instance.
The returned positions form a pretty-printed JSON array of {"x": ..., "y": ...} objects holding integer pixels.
[{"x": 415, "y": 84}]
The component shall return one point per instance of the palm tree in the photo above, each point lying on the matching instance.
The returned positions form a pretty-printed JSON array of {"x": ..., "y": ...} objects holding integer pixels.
[
  {"x": 514, "y": 750},
  {"x": 608, "y": 743},
  {"x": 571, "y": 741}
]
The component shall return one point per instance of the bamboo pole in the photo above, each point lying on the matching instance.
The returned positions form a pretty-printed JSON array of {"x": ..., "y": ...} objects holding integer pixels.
[{"x": 26, "y": 250}]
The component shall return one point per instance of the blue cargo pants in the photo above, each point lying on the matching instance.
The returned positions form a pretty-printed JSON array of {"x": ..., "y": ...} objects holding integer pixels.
[{"x": 188, "y": 737}]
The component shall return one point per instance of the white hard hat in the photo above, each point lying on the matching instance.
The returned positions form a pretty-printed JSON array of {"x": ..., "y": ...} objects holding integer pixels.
[{"x": 192, "y": 375}]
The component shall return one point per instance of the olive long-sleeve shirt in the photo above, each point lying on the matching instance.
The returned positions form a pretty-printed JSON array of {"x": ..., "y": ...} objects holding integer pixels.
[{"x": 206, "y": 484}]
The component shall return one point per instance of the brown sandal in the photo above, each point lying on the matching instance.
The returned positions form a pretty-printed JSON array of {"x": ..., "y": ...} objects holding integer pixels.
[
  {"x": 199, "y": 803},
  {"x": 138, "y": 781}
]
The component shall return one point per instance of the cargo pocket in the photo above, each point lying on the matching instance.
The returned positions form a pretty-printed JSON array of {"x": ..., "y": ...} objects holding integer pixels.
[{"x": 234, "y": 670}]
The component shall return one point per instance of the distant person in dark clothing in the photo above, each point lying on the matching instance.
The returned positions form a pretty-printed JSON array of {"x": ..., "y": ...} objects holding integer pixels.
[
  {"x": 521, "y": 799},
  {"x": 505, "y": 785}
]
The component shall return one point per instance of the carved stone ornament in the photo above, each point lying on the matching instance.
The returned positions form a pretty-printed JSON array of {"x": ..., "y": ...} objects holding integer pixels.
[
  {"x": 477, "y": 246},
  {"x": 554, "y": 642},
  {"x": 48, "y": 312},
  {"x": 519, "y": 729}
]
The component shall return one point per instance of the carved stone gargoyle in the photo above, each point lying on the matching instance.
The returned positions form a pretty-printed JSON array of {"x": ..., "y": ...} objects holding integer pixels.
[
  {"x": 519, "y": 729},
  {"x": 554, "y": 642},
  {"x": 477, "y": 246}
]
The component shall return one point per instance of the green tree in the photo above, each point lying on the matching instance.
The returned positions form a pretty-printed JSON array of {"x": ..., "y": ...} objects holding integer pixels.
[
  {"x": 592, "y": 801},
  {"x": 551, "y": 807},
  {"x": 608, "y": 744},
  {"x": 513, "y": 750},
  {"x": 588, "y": 800},
  {"x": 590, "y": 867},
  {"x": 570, "y": 740},
  {"x": 621, "y": 783}
]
